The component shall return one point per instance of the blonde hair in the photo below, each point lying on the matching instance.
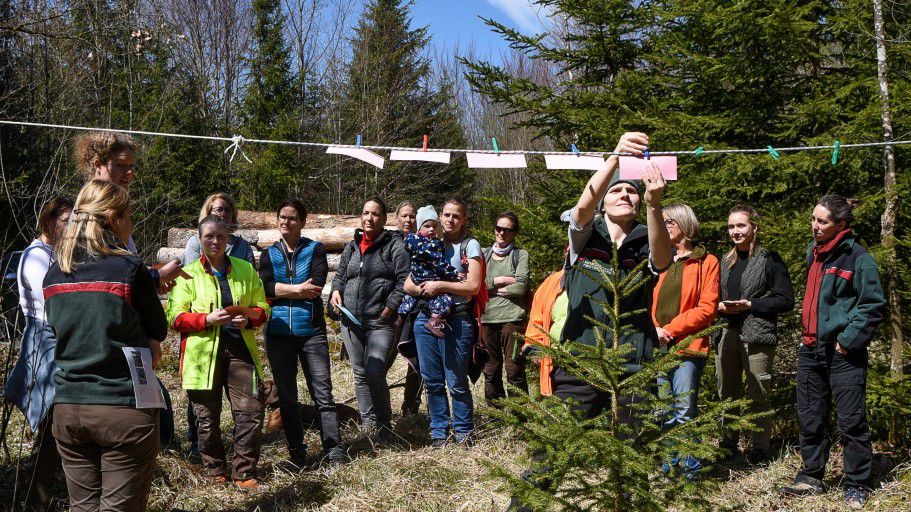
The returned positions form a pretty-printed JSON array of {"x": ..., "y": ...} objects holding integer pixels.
[
  {"x": 753, "y": 217},
  {"x": 100, "y": 145},
  {"x": 89, "y": 229},
  {"x": 685, "y": 218},
  {"x": 207, "y": 208}
]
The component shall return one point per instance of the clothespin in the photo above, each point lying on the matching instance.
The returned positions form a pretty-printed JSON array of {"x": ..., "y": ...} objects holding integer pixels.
[
  {"x": 835, "y": 152},
  {"x": 698, "y": 151},
  {"x": 496, "y": 148},
  {"x": 647, "y": 155},
  {"x": 774, "y": 153},
  {"x": 359, "y": 140},
  {"x": 424, "y": 148},
  {"x": 574, "y": 149}
]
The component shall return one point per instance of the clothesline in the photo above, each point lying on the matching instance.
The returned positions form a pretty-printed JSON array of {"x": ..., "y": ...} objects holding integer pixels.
[{"x": 238, "y": 141}]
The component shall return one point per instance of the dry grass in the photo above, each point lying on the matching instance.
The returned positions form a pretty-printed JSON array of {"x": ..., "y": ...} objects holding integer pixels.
[{"x": 410, "y": 476}]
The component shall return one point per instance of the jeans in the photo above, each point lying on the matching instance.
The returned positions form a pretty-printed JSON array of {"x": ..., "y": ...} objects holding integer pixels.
[
  {"x": 733, "y": 359},
  {"x": 368, "y": 348},
  {"x": 823, "y": 375},
  {"x": 313, "y": 352},
  {"x": 682, "y": 383},
  {"x": 444, "y": 361}
]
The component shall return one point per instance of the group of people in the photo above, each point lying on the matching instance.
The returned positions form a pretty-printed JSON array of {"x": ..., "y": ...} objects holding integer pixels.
[{"x": 429, "y": 292}]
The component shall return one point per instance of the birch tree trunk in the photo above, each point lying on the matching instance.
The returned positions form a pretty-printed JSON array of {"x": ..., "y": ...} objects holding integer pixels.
[{"x": 891, "y": 197}]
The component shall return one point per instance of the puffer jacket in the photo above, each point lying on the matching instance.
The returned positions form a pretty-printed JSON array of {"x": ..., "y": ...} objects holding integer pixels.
[
  {"x": 374, "y": 280},
  {"x": 294, "y": 317}
]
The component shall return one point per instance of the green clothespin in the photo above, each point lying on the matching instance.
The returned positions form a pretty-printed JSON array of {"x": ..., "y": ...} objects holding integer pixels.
[
  {"x": 496, "y": 148},
  {"x": 774, "y": 153},
  {"x": 835, "y": 152},
  {"x": 698, "y": 151}
]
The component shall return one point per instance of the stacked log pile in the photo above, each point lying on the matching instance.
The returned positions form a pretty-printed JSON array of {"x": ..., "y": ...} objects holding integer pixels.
[{"x": 259, "y": 229}]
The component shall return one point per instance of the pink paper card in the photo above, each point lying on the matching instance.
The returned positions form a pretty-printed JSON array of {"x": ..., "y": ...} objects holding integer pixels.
[
  {"x": 632, "y": 167},
  {"x": 424, "y": 156},
  {"x": 364, "y": 155}
]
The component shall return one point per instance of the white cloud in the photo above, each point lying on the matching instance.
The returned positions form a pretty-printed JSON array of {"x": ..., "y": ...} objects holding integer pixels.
[{"x": 521, "y": 12}]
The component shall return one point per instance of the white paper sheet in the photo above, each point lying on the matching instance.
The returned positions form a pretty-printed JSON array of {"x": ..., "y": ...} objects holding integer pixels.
[
  {"x": 146, "y": 387},
  {"x": 364, "y": 155},
  {"x": 584, "y": 162},
  {"x": 631, "y": 167},
  {"x": 423, "y": 156},
  {"x": 496, "y": 161}
]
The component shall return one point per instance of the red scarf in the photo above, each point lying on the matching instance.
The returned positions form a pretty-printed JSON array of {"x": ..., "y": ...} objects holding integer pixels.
[
  {"x": 365, "y": 243},
  {"x": 814, "y": 281}
]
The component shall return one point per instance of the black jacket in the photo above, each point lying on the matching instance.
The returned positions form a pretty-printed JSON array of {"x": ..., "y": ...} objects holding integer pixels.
[{"x": 374, "y": 280}]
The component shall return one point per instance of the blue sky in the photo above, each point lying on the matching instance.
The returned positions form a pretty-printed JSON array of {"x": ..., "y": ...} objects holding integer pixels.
[{"x": 456, "y": 21}]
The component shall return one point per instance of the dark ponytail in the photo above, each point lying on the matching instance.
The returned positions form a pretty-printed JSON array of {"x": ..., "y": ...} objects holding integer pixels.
[{"x": 840, "y": 208}]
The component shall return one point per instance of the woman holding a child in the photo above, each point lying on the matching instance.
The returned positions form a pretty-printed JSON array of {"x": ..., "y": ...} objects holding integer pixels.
[
  {"x": 445, "y": 335},
  {"x": 368, "y": 285}
]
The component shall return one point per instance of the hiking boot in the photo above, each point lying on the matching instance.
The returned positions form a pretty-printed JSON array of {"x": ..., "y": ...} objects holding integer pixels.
[
  {"x": 336, "y": 456},
  {"x": 855, "y": 497},
  {"x": 439, "y": 442},
  {"x": 250, "y": 485},
  {"x": 802, "y": 486},
  {"x": 299, "y": 456},
  {"x": 193, "y": 454},
  {"x": 435, "y": 325}
]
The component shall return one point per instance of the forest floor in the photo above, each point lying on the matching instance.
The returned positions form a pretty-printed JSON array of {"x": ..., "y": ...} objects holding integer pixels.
[{"x": 409, "y": 475}]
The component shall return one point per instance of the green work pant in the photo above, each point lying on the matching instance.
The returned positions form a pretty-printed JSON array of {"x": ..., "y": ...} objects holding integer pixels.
[{"x": 735, "y": 360}]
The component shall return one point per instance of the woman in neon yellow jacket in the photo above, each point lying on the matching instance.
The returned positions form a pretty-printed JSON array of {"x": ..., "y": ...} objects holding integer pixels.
[{"x": 216, "y": 311}]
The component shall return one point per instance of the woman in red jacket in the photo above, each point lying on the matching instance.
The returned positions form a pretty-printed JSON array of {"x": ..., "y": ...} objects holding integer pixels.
[{"x": 685, "y": 301}]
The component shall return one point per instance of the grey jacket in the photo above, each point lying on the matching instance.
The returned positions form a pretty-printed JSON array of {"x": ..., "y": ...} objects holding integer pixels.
[{"x": 374, "y": 280}]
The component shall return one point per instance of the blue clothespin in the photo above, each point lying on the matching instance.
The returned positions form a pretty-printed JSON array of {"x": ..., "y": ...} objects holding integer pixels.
[
  {"x": 774, "y": 153},
  {"x": 496, "y": 148},
  {"x": 574, "y": 149},
  {"x": 647, "y": 155},
  {"x": 835, "y": 153},
  {"x": 698, "y": 151},
  {"x": 359, "y": 140}
]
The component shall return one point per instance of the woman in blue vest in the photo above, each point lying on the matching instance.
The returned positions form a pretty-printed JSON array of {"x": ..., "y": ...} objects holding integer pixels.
[{"x": 293, "y": 271}]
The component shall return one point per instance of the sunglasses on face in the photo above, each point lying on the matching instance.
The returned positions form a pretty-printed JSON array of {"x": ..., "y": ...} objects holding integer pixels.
[{"x": 502, "y": 229}]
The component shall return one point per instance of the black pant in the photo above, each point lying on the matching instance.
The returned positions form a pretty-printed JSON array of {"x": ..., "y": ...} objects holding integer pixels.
[
  {"x": 404, "y": 334},
  {"x": 313, "y": 352},
  {"x": 40, "y": 490},
  {"x": 824, "y": 374}
]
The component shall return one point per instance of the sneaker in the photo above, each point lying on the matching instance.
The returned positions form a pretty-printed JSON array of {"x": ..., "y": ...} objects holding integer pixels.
[
  {"x": 250, "y": 485},
  {"x": 855, "y": 498},
  {"x": 802, "y": 486},
  {"x": 435, "y": 325},
  {"x": 299, "y": 456},
  {"x": 439, "y": 442},
  {"x": 336, "y": 456}
]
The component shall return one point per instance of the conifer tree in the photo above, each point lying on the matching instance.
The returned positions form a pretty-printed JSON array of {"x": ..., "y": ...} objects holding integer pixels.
[
  {"x": 612, "y": 462},
  {"x": 391, "y": 99},
  {"x": 268, "y": 111}
]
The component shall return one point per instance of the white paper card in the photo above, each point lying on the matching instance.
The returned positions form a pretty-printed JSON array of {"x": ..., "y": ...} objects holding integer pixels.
[
  {"x": 146, "y": 387},
  {"x": 364, "y": 155},
  {"x": 584, "y": 162},
  {"x": 439, "y": 157},
  {"x": 496, "y": 161}
]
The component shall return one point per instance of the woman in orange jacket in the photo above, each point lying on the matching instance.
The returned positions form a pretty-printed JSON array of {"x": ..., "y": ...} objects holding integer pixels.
[
  {"x": 685, "y": 302},
  {"x": 545, "y": 319}
]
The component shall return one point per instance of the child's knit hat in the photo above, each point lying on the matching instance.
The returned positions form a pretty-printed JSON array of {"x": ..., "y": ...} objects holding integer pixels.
[{"x": 426, "y": 213}]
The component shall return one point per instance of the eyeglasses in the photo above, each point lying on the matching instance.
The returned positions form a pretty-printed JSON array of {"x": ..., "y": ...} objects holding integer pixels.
[
  {"x": 503, "y": 229},
  {"x": 221, "y": 209},
  {"x": 670, "y": 222}
]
